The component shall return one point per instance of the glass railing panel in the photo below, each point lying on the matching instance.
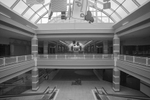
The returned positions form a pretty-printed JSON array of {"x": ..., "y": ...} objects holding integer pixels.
[
  {"x": 129, "y": 58},
  {"x": 1, "y": 61},
  {"x": 80, "y": 56},
  {"x": 69, "y": 56},
  {"x": 98, "y": 56},
  {"x": 140, "y": 60},
  {"x": 10, "y": 60},
  {"x": 42, "y": 56},
  {"x": 148, "y": 62},
  {"x": 89, "y": 56},
  {"x": 121, "y": 57},
  {"x": 77, "y": 56},
  {"x": 29, "y": 57},
  {"x": 21, "y": 58},
  {"x": 51, "y": 56},
  {"x": 107, "y": 56},
  {"x": 60, "y": 56}
]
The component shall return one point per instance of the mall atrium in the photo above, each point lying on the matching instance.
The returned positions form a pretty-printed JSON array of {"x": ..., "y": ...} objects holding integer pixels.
[{"x": 74, "y": 49}]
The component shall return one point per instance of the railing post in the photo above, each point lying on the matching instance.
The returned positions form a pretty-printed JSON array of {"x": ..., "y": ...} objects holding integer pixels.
[
  {"x": 112, "y": 56},
  {"x": 124, "y": 57},
  {"x": 47, "y": 56},
  {"x": 146, "y": 61},
  {"x": 93, "y": 56},
  {"x": 16, "y": 59},
  {"x": 133, "y": 59},
  {"x": 56, "y": 56},
  {"x": 65, "y": 56},
  {"x": 102, "y": 56},
  {"x": 25, "y": 58},
  {"x": 4, "y": 61}
]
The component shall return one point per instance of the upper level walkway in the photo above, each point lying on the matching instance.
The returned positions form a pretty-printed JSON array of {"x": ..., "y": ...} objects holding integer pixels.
[
  {"x": 14, "y": 66},
  {"x": 76, "y": 61}
]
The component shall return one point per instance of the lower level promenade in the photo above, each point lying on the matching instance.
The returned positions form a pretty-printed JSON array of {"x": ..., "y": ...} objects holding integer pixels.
[{"x": 66, "y": 91}]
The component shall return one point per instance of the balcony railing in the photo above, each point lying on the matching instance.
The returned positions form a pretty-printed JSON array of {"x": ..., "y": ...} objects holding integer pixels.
[
  {"x": 77, "y": 56},
  {"x": 16, "y": 59},
  {"x": 134, "y": 59}
]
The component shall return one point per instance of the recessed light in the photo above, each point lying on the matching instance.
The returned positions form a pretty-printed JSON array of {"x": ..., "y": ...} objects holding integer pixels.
[{"x": 125, "y": 23}]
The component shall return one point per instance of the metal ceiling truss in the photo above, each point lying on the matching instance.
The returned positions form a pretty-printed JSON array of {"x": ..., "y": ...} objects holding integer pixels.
[
  {"x": 16, "y": 2},
  {"x": 137, "y": 4},
  {"x": 121, "y": 6},
  {"x": 93, "y": 5}
]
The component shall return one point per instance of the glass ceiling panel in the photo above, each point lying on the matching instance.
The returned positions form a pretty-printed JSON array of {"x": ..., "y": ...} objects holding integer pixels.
[
  {"x": 36, "y": 7},
  {"x": 9, "y": 4},
  {"x": 121, "y": 12},
  {"x": 34, "y": 18},
  {"x": 120, "y": 1},
  {"x": 46, "y": 15},
  {"x": 42, "y": 11},
  {"x": 20, "y": 7},
  {"x": 142, "y": 1},
  {"x": 34, "y": 13},
  {"x": 108, "y": 11},
  {"x": 114, "y": 5},
  {"x": 29, "y": 13},
  {"x": 44, "y": 20},
  {"x": 104, "y": 14},
  {"x": 130, "y": 5},
  {"x": 99, "y": 5},
  {"x": 115, "y": 17}
]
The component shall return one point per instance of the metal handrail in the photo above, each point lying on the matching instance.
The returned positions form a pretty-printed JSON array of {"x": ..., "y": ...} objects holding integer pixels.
[
  {"x": 146, "y": 59},
  {"x": 26, "y": 94},
  {"x": 14, "y": 59},
  {"x": 124, "y": 96},
  {"x": 76, "y": 56}
]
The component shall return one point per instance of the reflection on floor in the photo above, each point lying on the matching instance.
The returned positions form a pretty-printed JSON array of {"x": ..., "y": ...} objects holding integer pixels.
[{"x": 67, "y": 91}]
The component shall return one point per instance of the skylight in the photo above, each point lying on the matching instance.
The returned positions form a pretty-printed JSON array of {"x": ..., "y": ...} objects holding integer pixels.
[{"x": 38, "y": 13}]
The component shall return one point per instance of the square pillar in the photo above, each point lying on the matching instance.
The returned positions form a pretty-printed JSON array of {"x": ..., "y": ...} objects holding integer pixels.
[
  {"x": 35, "y": 80},
  {"x": 116, "y": 72}
]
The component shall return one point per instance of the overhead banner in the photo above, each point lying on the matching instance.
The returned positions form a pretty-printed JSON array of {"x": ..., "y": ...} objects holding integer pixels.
[
  {"x": 59, "y": 5},
  {"x": 79, "y": 9},
  {"x": 32, "y": 2}
]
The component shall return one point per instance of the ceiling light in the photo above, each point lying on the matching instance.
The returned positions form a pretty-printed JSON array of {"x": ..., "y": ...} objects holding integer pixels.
[
  {"x": 5, "y": 15},
  {"x": 125, "y": 23}
]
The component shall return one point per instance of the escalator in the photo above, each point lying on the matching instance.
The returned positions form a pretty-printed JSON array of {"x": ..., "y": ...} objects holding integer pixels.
[
  {"x": 101, "y": 94},
  {"x": 48, "y": 94}
]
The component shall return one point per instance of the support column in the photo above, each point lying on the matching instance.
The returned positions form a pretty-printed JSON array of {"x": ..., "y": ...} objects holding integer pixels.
[
  {"x": 35, "y": 76},
  {"x": 105, "y": 47},
  {"x": 45, "y": 47},
  {"x": 116, "y": 72}
]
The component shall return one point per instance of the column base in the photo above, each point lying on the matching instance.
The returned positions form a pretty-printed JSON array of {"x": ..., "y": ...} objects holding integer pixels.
[
  {"x": 116, "y": 90},
  {"x": 35, "y": 89}
]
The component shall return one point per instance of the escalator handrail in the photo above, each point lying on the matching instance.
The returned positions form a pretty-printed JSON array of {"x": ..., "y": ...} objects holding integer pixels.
[
  {"x": 26, "y": 94},
  {"x": 124, "y": 96}
]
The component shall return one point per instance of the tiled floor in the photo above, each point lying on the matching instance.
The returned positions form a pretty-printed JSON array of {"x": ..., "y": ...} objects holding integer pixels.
[{"x": 78, "y": 92}]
